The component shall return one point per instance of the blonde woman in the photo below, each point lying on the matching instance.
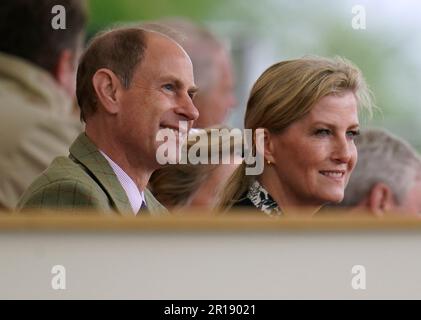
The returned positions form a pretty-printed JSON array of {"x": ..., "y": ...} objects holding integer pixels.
[
  {"x": 308, "y": 110},
  {"x": 180, "y": 186}
]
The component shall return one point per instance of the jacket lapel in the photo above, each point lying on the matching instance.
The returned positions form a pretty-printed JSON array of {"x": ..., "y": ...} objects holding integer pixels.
[{"x": 84, "y": 151}]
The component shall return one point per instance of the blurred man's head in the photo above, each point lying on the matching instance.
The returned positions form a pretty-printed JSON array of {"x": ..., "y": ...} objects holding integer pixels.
[
  {"x": 387, "y": 177},
  {"x": 26, "y": 31},
  {"x": 211, "y": 66},
  {"x": 131, "y": 83}
]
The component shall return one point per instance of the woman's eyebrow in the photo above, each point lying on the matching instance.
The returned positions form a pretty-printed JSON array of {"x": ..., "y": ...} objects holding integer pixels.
[{"x": 333, "y": 126}]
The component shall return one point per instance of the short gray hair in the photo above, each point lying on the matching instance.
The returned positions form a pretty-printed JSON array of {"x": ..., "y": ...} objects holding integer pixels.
[
  {"x": 200, "y": 44},
  {"x": 385, "y": 158}
]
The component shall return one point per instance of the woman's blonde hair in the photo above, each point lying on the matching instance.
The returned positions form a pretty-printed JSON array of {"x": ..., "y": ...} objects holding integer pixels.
[
  {"x": 174, "y": 185},
  {"x": 285, "y": 93}
]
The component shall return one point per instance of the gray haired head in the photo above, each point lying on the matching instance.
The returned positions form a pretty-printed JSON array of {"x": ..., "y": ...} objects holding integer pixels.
[{"x": 382, "y": 158}]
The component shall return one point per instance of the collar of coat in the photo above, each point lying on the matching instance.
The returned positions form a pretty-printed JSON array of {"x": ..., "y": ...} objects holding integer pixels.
[{"x": 85, "y": 152}]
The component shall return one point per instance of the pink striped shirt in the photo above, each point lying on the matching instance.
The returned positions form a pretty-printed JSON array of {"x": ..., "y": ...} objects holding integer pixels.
[{"x": 136, "y": 198}]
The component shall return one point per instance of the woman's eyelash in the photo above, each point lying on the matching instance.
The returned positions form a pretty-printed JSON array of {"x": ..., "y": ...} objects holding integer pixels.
[
  {"x": 354, "y": 133},
  {"x": 322, "y": 131}
]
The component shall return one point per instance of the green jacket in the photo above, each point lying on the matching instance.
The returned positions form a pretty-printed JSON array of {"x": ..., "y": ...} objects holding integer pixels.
[{"x": 84, "y": 180}]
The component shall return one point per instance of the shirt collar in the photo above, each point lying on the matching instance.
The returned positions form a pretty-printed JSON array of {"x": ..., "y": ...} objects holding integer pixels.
[{"x": 136, "y": 198}]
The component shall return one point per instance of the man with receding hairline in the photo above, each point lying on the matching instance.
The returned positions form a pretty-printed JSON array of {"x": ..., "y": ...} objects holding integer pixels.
[{"x": 131, "y": 83}]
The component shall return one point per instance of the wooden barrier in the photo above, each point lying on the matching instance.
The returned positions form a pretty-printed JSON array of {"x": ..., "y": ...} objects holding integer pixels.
[{"x": 239, "y": 256}]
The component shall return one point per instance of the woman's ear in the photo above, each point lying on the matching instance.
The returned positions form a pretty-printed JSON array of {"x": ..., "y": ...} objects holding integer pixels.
[
  {"x": 268, "y": 145},
  {"x": 106, "y": 85},
  {"x": 381, "y": 199}
]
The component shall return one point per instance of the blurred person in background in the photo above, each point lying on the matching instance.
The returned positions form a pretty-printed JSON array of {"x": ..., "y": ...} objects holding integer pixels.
[
  {"x": 307, "y": 110},
  {"x": 37, "y": 89},
  {"x": 181, "y": 186},
  {"x": 131, "y": 84},
  {"x": 387, "y": 177},
  {"x": 212, "y": 68}
]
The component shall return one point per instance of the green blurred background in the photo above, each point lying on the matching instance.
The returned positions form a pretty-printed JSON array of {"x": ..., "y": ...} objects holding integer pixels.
[{"x": 260, "y": 33}]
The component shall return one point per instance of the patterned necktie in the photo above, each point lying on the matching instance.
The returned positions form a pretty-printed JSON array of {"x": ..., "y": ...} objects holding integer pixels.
[{"x": 143, "y": 208}]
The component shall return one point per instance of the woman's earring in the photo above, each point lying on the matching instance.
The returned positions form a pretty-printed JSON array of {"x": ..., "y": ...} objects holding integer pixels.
[{"x": 268, "y": 161}]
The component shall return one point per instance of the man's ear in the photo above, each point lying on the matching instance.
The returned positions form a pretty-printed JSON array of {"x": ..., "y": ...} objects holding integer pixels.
[
  {"x": 106, "y": 85},
  {"x": 65, "y": 71},
  {"x": 381, "y": 199}
]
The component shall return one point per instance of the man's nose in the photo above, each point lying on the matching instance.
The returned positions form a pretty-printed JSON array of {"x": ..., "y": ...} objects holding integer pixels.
[
  {"x": 187, "y": 108},
  {"x": 232, "y": 101}
]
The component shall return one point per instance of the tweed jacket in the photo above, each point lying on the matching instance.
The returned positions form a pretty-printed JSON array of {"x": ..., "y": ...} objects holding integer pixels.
[{"x": 83, "y": 180}]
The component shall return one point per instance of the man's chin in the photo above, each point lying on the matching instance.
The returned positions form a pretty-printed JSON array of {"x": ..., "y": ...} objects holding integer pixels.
[{"x": 168, "y": 153}]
